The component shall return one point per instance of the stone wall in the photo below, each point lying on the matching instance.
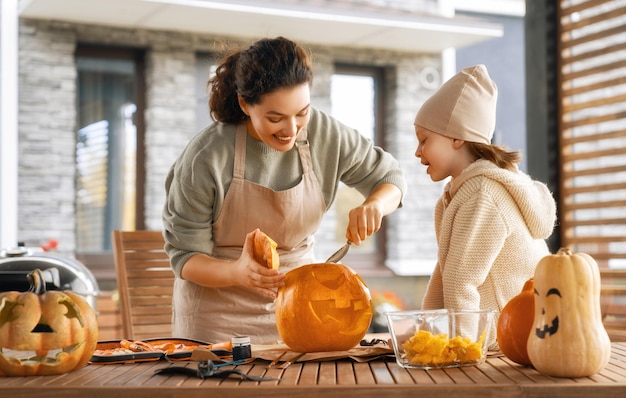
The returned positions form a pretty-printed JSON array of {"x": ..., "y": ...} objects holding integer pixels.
[{"x": 47, "y": 117}]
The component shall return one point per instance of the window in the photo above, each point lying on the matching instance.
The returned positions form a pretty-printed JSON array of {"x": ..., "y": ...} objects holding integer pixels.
[
  {"x": 357, "y": 100},
  {"x": 109, "y": 146},
  {"x": 592, "y": 130}
]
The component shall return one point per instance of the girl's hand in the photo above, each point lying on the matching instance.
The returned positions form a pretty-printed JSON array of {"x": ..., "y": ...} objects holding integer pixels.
[{"x": 254, "y": 275}]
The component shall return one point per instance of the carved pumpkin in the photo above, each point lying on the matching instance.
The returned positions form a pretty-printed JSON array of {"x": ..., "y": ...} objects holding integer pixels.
[
  {"x": 323, "y": 307},
  {"x": 514, "y": 324},
  {"x": 568, "y": 338},
  {"x": 45, "y": 333}
]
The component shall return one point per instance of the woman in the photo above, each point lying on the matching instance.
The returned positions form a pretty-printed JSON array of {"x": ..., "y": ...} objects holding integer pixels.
[
  {"x": 492, "y": 220},
  {"x": 270, "y": 161}
]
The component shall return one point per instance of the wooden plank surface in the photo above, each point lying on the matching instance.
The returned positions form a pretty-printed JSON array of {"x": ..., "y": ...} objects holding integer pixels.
[{"x": 498, "y": 376}]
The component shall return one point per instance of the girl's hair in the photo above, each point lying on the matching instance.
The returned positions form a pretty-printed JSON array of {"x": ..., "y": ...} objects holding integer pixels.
[
  {"x": 264, "y": 67},
  {"x": 499, "y": 155}
]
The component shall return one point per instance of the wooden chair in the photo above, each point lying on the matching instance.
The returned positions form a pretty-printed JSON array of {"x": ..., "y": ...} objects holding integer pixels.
[{"x": 145, "y": 282}]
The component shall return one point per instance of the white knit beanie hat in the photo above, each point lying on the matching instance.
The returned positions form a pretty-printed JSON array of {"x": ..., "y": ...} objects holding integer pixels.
[{"x": 464, "y": 107}]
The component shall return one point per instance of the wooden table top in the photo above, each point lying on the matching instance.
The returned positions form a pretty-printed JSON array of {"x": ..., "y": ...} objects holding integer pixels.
[{"x": 498, "y": 376}]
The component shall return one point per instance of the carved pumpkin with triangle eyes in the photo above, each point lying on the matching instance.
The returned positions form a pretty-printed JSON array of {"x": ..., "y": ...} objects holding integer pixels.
[
  {"x": 45, "y": 333},
  {"x": 568, "y": 338},
  {"x": 323, "y": 307}
]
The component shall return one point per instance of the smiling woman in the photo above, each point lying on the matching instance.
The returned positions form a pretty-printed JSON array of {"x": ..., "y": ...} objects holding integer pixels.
[
  {"x": 279, "y": 129},
  {"x": 271, "y": 161}
]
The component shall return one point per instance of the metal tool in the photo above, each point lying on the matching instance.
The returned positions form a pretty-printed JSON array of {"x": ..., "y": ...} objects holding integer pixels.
[
  {"x": 277, "y": 359},
  {"x": 339, "y": 254},
  {"x": 286, "y": 364}
]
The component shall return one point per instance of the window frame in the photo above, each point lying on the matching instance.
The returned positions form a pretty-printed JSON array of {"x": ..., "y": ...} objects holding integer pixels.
[
  {"x": 370, "y": 263},
  {"x": 101, "y": 263}
]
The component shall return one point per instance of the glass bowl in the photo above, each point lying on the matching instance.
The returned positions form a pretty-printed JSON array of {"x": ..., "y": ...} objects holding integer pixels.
[{"x": 428, "y": 339}]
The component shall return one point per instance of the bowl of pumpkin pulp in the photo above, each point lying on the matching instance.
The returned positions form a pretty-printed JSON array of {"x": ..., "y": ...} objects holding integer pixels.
[{"x": 428, "y": 339}]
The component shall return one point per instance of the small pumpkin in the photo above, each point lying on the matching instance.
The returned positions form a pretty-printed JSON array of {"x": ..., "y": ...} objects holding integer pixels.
[
  {"x": 515, "y": 323},
  {"x": 323, "y": 307},
  {"x": 568, "y": 338},
  {"x": 45, "y": 333}
]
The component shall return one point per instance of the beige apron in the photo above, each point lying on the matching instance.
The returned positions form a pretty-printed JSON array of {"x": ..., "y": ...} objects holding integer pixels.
[{"x": 290, "y": 217}]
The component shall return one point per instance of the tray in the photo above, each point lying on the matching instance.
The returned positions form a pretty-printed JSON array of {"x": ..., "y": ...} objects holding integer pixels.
[{"x": 172, "y": 349}]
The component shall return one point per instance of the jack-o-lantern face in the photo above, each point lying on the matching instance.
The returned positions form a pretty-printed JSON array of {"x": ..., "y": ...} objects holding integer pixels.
[
  {"x": 323, "y": 307},
  {"x": 568, "y": 339},
  {"x": 43, "y": 333},
  {"x": 551, "y": 324}
]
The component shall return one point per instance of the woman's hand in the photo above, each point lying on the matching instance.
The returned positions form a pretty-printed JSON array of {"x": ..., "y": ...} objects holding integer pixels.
[
  {"x": 366, "y": 219},
  {"x": 254, "y": 275},
  {"x": 245, "y": 271}
]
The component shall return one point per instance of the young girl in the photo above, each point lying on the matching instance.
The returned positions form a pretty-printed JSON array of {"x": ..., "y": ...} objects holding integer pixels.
[{"x": 492, "y": 220}]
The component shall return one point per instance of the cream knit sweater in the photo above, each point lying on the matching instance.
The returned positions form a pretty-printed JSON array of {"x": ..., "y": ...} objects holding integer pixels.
[{"x": 490, "y": 235}]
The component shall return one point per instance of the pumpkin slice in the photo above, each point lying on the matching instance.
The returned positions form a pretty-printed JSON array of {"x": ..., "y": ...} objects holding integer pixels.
[{"x": 265, "y": 250}]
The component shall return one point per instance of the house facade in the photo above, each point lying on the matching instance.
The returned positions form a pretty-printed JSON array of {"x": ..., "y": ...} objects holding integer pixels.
[{"x": 173, "y": 65}]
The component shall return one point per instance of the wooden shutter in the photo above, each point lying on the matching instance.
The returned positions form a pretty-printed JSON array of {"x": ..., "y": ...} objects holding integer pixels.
[{"x": 592, "y": 128}]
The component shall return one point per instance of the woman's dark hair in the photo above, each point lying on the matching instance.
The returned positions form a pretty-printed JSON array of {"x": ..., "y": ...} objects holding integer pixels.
[
  {"x": 499, "y": 155},
  {"x": 264, "y": 67}
]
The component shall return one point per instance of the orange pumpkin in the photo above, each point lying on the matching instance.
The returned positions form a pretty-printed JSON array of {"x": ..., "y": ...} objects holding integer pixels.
[
  {"x": 515, "y": 323},
  {"x": 45, "y": 333},
  {"x": 265, "y": 250},
  {"x": 323, "y": 307}
]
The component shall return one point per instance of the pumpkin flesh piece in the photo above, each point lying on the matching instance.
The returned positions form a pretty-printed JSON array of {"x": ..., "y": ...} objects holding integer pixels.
[{"x": 265, "y": 250}]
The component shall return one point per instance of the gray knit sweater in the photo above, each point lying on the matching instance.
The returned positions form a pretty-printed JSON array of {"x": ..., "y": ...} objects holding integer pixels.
[{"x": 199, "y": 179}]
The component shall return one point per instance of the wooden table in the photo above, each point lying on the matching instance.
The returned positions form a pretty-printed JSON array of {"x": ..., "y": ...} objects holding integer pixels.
[{"x": 497, "y": 377}]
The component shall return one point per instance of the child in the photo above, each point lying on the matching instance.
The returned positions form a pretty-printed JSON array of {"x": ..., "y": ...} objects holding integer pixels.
[{"x": 492, "y": 220}]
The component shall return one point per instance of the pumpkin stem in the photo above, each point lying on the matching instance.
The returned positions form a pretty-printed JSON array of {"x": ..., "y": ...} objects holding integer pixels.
[
  {"x": 37, "y": 282},
  {"x": 564, "y": 251}
]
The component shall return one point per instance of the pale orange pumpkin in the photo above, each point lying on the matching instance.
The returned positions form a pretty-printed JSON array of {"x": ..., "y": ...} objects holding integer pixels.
[
  {"x": 45, "y": 333},
  {"x": 568, "y": 338},
  {"x": 515, "y": 323},
  {"x": 323, "y": 307}
]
